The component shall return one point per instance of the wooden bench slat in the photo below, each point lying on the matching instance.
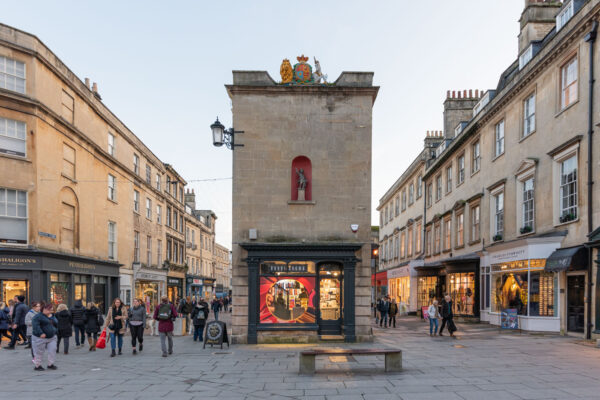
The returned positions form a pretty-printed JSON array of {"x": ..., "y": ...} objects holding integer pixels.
[{"x": 349, "y": 351}]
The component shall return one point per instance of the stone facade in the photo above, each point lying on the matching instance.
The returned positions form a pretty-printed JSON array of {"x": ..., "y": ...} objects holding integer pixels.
[{"x": 330, "y": 125}]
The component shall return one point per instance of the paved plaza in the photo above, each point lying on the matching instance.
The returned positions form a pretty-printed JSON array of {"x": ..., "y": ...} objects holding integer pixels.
[{"x": 481, "y": 363}]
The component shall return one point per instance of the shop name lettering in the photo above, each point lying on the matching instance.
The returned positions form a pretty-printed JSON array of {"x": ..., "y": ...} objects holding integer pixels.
[
  {"x": 287, "y": 268},
  {"x": 511, "y": 254},
  {"x": 78, "y": 265},
  {"x": 13, "y": 260}
]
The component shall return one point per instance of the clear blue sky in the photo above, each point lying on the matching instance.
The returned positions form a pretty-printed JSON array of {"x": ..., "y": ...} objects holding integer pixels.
[{"x": 161, "y": 66}]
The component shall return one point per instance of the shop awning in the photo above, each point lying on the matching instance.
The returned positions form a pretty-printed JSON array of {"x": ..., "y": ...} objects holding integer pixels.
[
  {"x": 567, "y": 259},
  {"x": 381, "y": 278}
]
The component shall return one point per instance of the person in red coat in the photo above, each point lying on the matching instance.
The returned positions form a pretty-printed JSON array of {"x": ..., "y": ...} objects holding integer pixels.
[{"x": 165, "y": 314}]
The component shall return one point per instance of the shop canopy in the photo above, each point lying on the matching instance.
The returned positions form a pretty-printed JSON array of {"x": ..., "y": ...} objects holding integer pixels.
[{"x": 567, "y": 259}]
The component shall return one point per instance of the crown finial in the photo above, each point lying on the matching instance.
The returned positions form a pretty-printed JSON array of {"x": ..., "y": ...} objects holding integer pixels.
[{"x": 302, "y": 58}]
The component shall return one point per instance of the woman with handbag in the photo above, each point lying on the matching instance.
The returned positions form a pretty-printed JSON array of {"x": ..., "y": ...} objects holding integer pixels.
[
  {"x": 137, "y": 324},
  {"x": 92, "y": 319},
  {"x": 115, "y": 322}
]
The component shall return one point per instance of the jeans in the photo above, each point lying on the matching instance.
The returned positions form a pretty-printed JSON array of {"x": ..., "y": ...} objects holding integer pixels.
[
  {"x": 163, "y": 338},
  {"x": 198, "y": 329},
  {"x": 65, "y": 345},
  {"x": 79, "y": 333},
  {"x": 137, "y": 334},
  {"x": 20, "y": 331},
  {"x": 113, "y": 340},
  {"x": 384, "y": 319},
  {"x": 393, "y": 319},
  {"x": 432, "y": 322},
  {"x": 216, "y": 315},
  {"x": 41, "y": 346}
]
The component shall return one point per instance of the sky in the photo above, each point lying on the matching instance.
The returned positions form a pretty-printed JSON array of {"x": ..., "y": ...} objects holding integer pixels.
[{"x": 161, "y": 67}]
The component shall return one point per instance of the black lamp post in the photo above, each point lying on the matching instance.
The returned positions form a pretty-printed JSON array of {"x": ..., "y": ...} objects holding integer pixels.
[{"x": 224, "y": 136}]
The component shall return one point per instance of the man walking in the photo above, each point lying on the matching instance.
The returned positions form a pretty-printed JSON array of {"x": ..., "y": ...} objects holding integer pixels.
[
  {"x": 393, "y": 312},
  {"x": 385, "y": 310},
  {"x": 447, "y": 315},
  {"x": 18, "y": 322},
  {"x": 78, "y": 322},
  {"x": 165, "y": 314},
  {"x": 215, "y": 305}
]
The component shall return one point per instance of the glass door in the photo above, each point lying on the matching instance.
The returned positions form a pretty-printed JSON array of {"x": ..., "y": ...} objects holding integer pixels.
[
  {"x": 12, "y": 288},
  {"x": 575, "y": 303},
  {"x": 330, "y": 300}
]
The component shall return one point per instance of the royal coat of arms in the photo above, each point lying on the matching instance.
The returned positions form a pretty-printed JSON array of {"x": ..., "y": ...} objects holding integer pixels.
[{"x": 302, "y": 71}]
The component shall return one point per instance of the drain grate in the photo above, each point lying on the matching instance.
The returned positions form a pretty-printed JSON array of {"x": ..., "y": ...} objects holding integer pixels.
[
  {"x": 222, "y": 352},
  {"x": 191, "y": 381}
]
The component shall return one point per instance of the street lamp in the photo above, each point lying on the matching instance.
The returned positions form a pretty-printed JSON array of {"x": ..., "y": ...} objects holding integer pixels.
[{"x": 224, "y": 136}]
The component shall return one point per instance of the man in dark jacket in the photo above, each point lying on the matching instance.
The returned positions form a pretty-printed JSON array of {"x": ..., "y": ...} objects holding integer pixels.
[
  {"x": 78, "y": 322},
  {"x": 199, "y": 317},
  {"x": 447, "y": 315},
  {"x": 18, "y": 322},
  {"x": 165, "y": 314},
  {"x": 385, "y": 309}
]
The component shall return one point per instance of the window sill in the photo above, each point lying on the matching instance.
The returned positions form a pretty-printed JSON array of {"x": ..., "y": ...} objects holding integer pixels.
[
  {"x": 566, "y": 108},
  {"x": 446, "y": 251},
  {"x": 496, "y": 157},
  {"x": 527, "y": 234},
  {"x": 567, "y": 223},
  {"x": 436, "y": 254},
  {"x": 472, "y": 242},
  {"x": 68, "y": 177},
  {"x": 111, "y": 200},
  {"x": 475, "y": 172},
  {"x": 460, "y": 183},
  {"x": 528, "y": 135},
  {"x": 15, "y": 157},
  {"x": 305, "y": 203},
  {"x": 462, "y": 246},
  {"x": 149, "y": 219}
]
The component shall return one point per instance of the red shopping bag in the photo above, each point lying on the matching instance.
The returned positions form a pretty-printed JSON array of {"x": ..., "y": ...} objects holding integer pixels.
[{"x": 101, "y": 343}]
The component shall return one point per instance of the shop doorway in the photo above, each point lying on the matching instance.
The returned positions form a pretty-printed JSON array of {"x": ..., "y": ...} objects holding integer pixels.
[
  {"x": 12, "y": 288},
  {"x": 575, "y": 303},
  {"x": 330, "y": 299}
]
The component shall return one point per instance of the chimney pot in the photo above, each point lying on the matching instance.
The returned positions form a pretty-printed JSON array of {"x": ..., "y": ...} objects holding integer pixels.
[
  {"x": 448, "y": 94},
  {"x": 87, "y": 83},
  {"x": 459, "y": 94},
  {"x": 470, "y": 93},
  {"x": 465, "y": 93},
  {"x": 477, "y": 93},
  {"x": 453, "y": 94},
  {"x": 95, "y": 87}
]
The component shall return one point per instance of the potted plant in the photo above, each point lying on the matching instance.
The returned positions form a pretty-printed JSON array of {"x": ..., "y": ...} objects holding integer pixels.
[
  {"x": 497, "y": 237},
  {"x": 526, "y": 229},
  {"x": 566, "y": 217}
]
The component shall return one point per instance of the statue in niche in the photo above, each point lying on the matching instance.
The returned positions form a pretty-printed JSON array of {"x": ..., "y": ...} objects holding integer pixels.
[{"x": 302, "y": 182}]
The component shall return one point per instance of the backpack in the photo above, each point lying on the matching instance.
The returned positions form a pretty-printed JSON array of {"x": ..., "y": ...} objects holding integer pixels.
[
  {"x": 199, "y": 318},
  {"x": 164, "y": 312}
]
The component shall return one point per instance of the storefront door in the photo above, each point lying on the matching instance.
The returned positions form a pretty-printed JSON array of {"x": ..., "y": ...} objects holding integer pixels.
[
  {"x": 330, "y": 300},
  {"x": 12, "y": 288},
  {"x": 575, "y": 303}
]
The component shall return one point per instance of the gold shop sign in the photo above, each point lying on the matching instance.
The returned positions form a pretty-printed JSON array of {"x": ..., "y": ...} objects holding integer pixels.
[
  {"x": 17, "y": 261},
  {"x": 80, "y": 265}
]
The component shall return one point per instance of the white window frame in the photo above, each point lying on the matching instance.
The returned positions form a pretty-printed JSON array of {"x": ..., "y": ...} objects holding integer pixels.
[
  {"x": 565, "y": 15},
  {"x": 4, "y": 214},
  {"x": 448, "y": 233},
  {"x": 497, "y": 215},
  {"x": 111, "y": 144},
  {"x": 522, "y": 178},
  {"x": 526, "y": 56},
  {"x": 112, "y": 244},
  {"x": 112, "y": 187},
  {"x": 418, "y": 238},
  {"x": 403, "y": 244},
  {"x": 148, "y": 174},
  {"x": 149, "y": 250},
  {"x": 14, "y": 77},
  {"x": 404, "y": 200},
  {"x": 475, "y": 156},
  {"x": 411, "y": 193},
  {"x": 460, "y": 229},
  {"x": 136, "y": 164},
  {"x": 449, "y": 179},
  {"x": 136, "y": 201},
  {"x": 568, "y": 86},
  {"x": 148, "y": 208},
  {"x": 409, "y": 241},
  {"x": 571, "y": 151},
  {"x": 159, "y": 255},
  {"x": 528, "y": 203},
  {"x": 475, "y": 228},
  {"x": 136, "y": 246},
  {"x": 15, "y": 132},
  {"x": 419, "y": 186},
  {"x": 529, "y": 115},
  {"x": 499, "y": 139},
  {"x": 438, "y": 187},
  {"x": 158, "y": 214},
  {"x": 158, "y": 182}
]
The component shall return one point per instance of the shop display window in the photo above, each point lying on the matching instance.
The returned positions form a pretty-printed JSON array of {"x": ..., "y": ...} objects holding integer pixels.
[
  {"x": 541, "y": 295},
  {"x": 59, "y": 289},
  {"x": 511, "y": 291},
  {"x": 11, "y": 288},
  {"x": 426, "y": 290},
  {"x": 287, "y": 299},
  {"x": 400, "y": 290},
  {"x": 462, "y": 291},
  {"x": 330, "y": 298},
  {"x": 148, "y": 293}
]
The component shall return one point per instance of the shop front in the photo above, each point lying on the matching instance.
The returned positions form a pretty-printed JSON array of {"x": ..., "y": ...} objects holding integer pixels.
[
  {"x": 150, "y": 285},
  {"x": 402, "y": 286},
  {"x": 58, "y": 278},
  {"x": 300, "y": 292},
  {"x": 174, "y": 289},
  {"x": 208, "y": 287},
  {"x": 379, "y": 283},
  {"x": 431, "y": 284},
  {"x": 194, "y": 286},
  {"x": 517, "y": 279}
]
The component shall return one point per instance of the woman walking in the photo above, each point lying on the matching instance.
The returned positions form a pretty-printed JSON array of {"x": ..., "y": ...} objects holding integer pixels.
[
  {"x": 199, "y": 316},
  {"x": 4, "y": 321},
  {"x": 434, "y": 314},
  {"x": 35, "y": 308},
  {"x": 115, "y": 321},
  {"x": 137, "y": 324},
  {"x": 44, "y": 328},
  {"x": 65, "y": 327},
  {"x": 92, "y": 320}
]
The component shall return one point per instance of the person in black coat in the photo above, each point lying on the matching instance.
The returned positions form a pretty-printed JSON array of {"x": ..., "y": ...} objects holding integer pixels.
[
  {"x": 19, "y": 328},
  {"x": 65, "y": 326},
  {"x": 78, "y": 322},
  {"x": 199, "y": 317},
  {"x": 93, "y": 322},
  {"x": 447, "y": 316}
]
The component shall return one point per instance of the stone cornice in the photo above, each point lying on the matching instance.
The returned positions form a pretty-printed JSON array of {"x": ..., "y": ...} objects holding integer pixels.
[{"x": 372, "y": 91}]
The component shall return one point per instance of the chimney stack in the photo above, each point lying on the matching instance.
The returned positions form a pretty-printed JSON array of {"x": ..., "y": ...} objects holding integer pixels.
[
  {"x": 538, "y": 18},
  {"x": 87, "y": 83}
]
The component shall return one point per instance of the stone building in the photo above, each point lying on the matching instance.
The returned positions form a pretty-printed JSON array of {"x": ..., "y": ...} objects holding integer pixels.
[
  {"x": 401, "y": 234},
  {"x": 301, "y": 207},
  {"x": 510, "y": 203},
  {"x": 222, "y": 270}
]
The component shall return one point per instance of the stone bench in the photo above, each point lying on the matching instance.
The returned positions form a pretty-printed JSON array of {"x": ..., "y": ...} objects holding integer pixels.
[{"x": 393, "y": 357}]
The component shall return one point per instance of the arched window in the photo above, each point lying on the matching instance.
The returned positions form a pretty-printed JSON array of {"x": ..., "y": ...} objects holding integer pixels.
[
  {"x": 69, "y": 220},
  {"x": 301, "y": 165}
]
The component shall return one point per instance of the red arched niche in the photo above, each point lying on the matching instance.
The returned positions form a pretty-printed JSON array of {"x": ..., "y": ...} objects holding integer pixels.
[{"x": 301, "y": 162}]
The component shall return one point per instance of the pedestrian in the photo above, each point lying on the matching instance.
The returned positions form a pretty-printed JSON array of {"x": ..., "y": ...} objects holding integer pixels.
[
  {"x": 393, "y": 312},
  {"x": 18, "y": 322},
  {"x": 44, "y": 329},
  {"x": 214, "y": 305},
  {"x": 385, "y": 309},
  {"x": 137, "y": 324},
  {"x": 35, "y": 308},
  {"x": 93, "y": 321},
  {"x": 226, "y": 303},
  {"x": 4, "y": 322},
  {"x": 433, "y": 314},
  {"x": 115, "y": 322},
  {"x": 199, "y": 316},
  {"x": 165, "y": 314},
  {"x": 447, "y": 316},
  {"x": 378, "y": 310},
  {"x": 65, "y": 327},
  {"x": 77, "y": 312},
  {"x": 185, "y": 309}
]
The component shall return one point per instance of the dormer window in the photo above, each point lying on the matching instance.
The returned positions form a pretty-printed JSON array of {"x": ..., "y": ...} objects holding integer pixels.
[
  {"x": 565, "y": 15},
  {"x": 485, "y": 99},
  {"x": 526, "y": 57}
]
